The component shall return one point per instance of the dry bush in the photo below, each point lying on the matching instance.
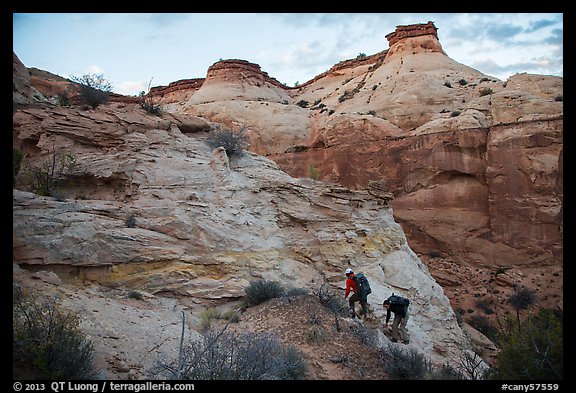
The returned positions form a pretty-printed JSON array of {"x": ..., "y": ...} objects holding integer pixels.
[
  {"x": 46, "y": 340},
  {"x": 222, "y": 355},
  {"x": 233, "y": 142}
]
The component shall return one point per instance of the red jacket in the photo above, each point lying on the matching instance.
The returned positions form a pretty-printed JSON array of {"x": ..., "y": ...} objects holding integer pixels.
[{"x": 350, "y": 284}]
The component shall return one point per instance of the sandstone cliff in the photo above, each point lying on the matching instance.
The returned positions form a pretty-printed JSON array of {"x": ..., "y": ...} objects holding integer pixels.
[
  {"x": 439, "y": 133},
  {"x": 204, "y": 226}
]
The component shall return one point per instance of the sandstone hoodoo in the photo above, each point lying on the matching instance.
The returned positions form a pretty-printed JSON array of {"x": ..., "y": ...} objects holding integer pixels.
[{"x": 438, "y": 182}]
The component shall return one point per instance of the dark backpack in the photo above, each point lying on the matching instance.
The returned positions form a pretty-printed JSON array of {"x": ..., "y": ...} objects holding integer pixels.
[
  {"x": 401, "y": 302},
  {"x": 362, "y": 285}
]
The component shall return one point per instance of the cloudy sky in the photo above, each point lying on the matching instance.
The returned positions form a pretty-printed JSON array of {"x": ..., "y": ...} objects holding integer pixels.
[{"x": 132, "y": 49}]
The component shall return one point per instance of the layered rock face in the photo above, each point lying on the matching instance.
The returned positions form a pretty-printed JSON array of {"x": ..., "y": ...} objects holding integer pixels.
[
  {"x": 153, "y": 209},
  {"x": 175, "y": 93},
  {"x": 439, "y": 133}
]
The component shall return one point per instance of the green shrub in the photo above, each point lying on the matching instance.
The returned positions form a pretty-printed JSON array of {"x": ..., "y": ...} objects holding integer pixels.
[
  {"x": 295, "y": 291},
  {"x": 316, "y": 334},
  {"x": 405, "y": 364},
  {"x": 207, "y": 316},
  {"x": 130, "y": 220},
  {"x": 532, "y": 349},
  {"x": 486, "y": 91},
  {"x": 313, "y": 172},
  {"x": 462, "y": 82},
  {"x": 260, "y": 291},
  {"x": 94, "y": 89},
  {"x": 135, "y": 295},
  {"x": 16, "y": 160},
  {"x": 231, "y": 315},
  {"x": 302, "y": 104},
  {"x": 46, "y": 340},
  {"x": 484, "y": 326}
]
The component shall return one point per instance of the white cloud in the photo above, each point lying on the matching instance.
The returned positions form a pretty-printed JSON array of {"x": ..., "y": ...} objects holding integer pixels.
[
  {"x": 94, "y": 69},
  {"x": 129, "y": 88}
]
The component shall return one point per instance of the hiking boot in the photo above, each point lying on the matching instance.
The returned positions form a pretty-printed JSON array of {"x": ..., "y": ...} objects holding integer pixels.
[
  {"x": 394, "y": 340},
  {"x": 406, "y": 342}
]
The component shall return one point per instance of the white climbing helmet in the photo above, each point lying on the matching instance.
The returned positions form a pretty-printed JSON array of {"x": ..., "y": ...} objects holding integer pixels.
[{"x": 348, "y": 271}]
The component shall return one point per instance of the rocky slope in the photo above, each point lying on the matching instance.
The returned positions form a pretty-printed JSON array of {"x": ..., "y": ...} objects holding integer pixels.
[{"x": 203, "y": 225}]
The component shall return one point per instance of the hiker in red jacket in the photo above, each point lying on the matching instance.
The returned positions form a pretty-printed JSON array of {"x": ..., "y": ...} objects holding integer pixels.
[{"x": 351, "y": 285}]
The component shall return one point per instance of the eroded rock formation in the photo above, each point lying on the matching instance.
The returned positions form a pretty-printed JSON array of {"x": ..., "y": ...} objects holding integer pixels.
[
  {"x": 470, "y": 166},
  {"x": 156, "y": 210}
]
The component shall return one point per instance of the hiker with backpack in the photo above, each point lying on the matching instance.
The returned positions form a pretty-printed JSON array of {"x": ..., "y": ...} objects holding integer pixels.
[
  {"x": 360, "y": 287},
  {"x": 399, "y": 306}
]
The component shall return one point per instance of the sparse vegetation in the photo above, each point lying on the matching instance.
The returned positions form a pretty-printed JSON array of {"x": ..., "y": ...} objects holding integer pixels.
[
  {"x": 404, "y": 364},
  {"x": 260, "y": 291},
  {"x": 521, "y": 299},
  {"x": 316, "y": 334},
  {"x": 16, "y": 160},
  {"x": 486, "y": 91},
  {"x": 302, "y": 104},
  {"x": 484, "y": 326},
  {"x": 331, "y": 300},
  {"x": 135, "y": 295},
  {"x": 222, "y": 355},
  {"x": 46, "y": 340},
  {"x": 147, "y": 102},
  {"x": 409, "y": 364},
  {"x": 233, "y": 142},
  {"x": 63, "y": 99},
  {"x": 94, "y": 89},
  {"x": 485, "y": 306},
  {"x": 313, "y": 172},
  {"x": 532, "y": 349},
  {"x": 209, "y": 314},
  {"x": 130, "y": 220},
  {"x": 231, "y": 316},
  {"x": 51, "y": 175}
]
